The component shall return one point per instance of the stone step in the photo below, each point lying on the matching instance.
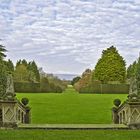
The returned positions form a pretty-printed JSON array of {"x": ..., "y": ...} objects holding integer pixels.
[{"x": 72, "y": 126}]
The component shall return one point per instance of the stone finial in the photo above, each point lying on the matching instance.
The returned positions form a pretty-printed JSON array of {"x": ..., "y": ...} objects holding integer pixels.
[
  {"x": 133, "y": 86},
  {"x": 133, "y": 90}
]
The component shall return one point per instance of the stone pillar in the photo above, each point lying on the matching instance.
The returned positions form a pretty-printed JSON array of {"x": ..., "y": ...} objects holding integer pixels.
[
  {"x": 27, "y": 115},
  {"x": 115, "y": 116},
  {"x": 9, "y": 114}
]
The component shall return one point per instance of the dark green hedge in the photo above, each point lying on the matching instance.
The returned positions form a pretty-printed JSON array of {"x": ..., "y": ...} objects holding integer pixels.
[
  {"x": 106, "y": 88},
  {"x": 115, "y": 88},
  {"x": 27, "y": 87}
]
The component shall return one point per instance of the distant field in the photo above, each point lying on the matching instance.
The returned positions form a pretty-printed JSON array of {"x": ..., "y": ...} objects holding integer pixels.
[{"x": 71, "y": 107}]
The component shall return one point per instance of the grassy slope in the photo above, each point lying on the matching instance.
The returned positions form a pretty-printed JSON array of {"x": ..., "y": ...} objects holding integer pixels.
[{"x": 71, "y": 107}]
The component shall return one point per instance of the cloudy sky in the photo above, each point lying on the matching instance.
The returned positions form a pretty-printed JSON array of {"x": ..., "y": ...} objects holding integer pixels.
[{"x": 68, "y": 36}]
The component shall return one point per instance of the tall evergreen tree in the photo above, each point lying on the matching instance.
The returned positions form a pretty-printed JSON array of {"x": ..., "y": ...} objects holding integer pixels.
[
  {"x": 3, "y": 73},
  {"x": 32, "y": 67},
  {"x": 110, "y": 67}
]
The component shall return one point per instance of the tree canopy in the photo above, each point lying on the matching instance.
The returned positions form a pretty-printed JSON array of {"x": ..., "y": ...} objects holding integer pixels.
[
  {"x": 110, "y": 67},
  {"x": 75, "y": 80}
]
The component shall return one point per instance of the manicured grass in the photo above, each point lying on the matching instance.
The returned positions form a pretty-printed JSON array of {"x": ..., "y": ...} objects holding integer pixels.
[
  {"x": 71, "y": 107},
  {"x": 69, "y": 135}
]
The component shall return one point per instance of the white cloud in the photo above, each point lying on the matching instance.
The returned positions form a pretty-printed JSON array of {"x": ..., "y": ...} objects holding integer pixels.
[{"x": 72, "y": 33}]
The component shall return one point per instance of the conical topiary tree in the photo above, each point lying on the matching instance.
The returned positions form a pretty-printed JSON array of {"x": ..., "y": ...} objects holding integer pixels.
[{"x": 110, "y": 67}]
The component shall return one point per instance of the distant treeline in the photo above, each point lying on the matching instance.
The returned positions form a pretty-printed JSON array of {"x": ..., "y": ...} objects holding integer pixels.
[{"x": 27, "y": 76}]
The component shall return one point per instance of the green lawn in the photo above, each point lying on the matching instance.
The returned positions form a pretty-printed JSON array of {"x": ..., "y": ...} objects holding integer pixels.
[
  {"x": 69, "y": 135},
  {"x": 71, "y": 107}
]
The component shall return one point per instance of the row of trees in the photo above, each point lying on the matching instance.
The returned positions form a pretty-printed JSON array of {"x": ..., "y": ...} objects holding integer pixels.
[
  {"x": 27, "y": 76},
  {"x": 110, "y": 69},
  {"x": 26, "y": 71}
]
